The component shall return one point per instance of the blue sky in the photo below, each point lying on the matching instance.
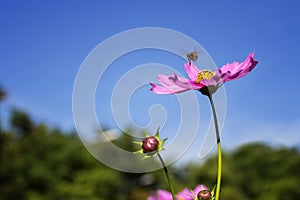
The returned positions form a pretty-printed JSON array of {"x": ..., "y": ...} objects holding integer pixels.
[{"x": 43, "y": 44}]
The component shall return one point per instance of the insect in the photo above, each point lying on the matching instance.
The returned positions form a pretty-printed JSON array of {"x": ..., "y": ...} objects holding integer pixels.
[{"x": 192, "y": 56}]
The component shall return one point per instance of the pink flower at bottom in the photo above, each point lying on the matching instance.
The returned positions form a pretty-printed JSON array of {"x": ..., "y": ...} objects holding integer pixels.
[
  {"x": 186, "y": 194},
  {"x": 199, "y": 79},
  {"x": 161, "y": 195}
]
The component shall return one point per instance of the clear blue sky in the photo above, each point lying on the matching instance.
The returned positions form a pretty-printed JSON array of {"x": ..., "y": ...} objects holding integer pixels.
[{"x": 43, "y": 44}]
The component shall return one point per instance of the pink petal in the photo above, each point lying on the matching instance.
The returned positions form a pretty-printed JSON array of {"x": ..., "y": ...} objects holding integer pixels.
[
  {"x": 199, "y": 188},
  {"x": 152, "y": 197},
  {"x": 186, "y": 194},
  {"x": 229, "y": 67},
  {"x": 173, "y": 84},
  {"x": 192, "y": 71},
  {"x": 161, "y": 195},
  {"x": 167, "y": 89},
  {"x": 170, "y": 80},
  {"x": 184, "y": 83},
  {"x": 164, "y": 80},
  {"x": 164, "y": 195},
  {"x": 221, "y": 77},
  {"x": 237, "y": 70},
  {"x": 242, "y": 66}
]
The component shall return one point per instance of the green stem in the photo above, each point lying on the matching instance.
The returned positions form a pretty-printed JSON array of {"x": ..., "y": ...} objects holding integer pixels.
[
  {"x": 219, "y": 147},
  {"x": 167, "y": 175}
]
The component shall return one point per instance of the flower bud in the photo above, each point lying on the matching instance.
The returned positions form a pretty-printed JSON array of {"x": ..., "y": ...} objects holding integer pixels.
[
  {"x": 150, "y": 144},
  {"x": 204, "y": 193}
]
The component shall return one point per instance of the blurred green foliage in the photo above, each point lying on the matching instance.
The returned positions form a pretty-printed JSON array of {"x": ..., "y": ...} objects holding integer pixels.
[{"x": 38, "y": 162}]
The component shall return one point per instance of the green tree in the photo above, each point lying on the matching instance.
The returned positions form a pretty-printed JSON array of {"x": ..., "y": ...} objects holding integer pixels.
[
  {"x": 266, "y": 172},
  {"x": 21, "y": 123},
  {"x": 3, "y": 95},
  {"x": 253, "y": 171},
  {"x": 50, "y": 164}
]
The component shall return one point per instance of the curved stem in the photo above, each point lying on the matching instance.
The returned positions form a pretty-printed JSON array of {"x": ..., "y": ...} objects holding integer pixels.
[
  {"x": 219, "y": 147},
  {"x": 167, "y": 176},
  {"x": 215, "y": 118}
]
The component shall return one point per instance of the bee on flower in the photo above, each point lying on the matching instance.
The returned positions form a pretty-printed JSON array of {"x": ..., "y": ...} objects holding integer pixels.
[
  {"x": 203, "y": 80},
  {"x": 192, "y": 56}
]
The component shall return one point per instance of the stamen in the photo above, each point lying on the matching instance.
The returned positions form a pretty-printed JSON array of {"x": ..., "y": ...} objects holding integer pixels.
[{"x": 204, "y": 74}]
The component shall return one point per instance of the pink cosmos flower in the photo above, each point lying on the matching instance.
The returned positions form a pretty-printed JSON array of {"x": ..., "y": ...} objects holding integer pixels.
[
  {"x": 161, "y": 195},
  {"x": 186, "y": 194},
  {"x": 201, "y": 79}
]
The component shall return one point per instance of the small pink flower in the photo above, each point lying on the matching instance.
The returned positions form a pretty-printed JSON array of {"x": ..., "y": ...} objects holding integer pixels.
[
  {"x": 199, "y": 79},
  {"x": 161, "y": 195},
  {"x": 186, "y": 194}
]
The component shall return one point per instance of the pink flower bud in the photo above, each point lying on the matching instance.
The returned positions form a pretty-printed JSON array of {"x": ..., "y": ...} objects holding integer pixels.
[
  {"x": 204, "y": 194},
  {"x": 150, "y": 144}
]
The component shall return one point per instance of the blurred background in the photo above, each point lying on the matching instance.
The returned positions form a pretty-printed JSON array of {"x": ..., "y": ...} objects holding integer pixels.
[{"x": 42, "y": 46}]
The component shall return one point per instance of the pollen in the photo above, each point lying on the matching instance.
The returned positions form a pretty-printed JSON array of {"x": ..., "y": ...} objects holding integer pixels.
[{"x": 204, "y": 74}]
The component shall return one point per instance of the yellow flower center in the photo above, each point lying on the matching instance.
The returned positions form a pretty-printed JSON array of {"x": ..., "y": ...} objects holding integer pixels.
[{"x": 204, "y": 74}]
